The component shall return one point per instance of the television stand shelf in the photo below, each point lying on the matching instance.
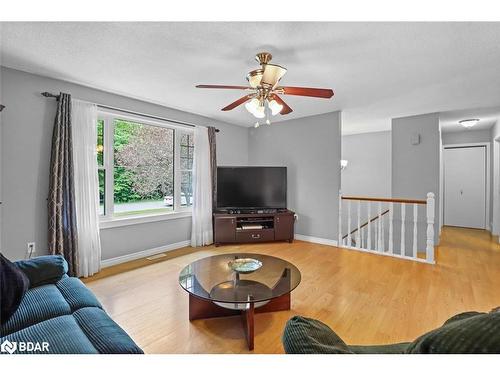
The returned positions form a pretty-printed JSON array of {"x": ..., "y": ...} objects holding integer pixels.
[{"x": 253, "y": 227}]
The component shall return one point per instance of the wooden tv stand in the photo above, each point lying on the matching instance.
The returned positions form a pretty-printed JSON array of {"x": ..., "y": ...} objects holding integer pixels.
[{"x": 253, "y": 227}]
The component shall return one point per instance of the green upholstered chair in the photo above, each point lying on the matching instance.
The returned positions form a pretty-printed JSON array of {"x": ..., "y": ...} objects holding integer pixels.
[{"x": 470, "y": 332}]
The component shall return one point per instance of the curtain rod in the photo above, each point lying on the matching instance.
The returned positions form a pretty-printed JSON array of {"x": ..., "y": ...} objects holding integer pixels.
[{"x": 50, "y": 95}]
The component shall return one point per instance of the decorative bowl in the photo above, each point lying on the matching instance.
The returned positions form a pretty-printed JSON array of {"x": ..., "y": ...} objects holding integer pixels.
[{"x": 245, "y": 265}]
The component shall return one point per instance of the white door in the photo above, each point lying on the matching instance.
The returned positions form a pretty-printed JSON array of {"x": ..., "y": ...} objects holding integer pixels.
[{"x": 465, "y": 187}]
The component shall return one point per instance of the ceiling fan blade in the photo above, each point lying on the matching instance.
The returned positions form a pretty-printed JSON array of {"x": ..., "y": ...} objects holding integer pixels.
[
  {"x": 223, "y": 87},
  {"x": 238, "y": 102},
  {"x": 307, "y": 91},
  {"x": 286, "y": 108}
]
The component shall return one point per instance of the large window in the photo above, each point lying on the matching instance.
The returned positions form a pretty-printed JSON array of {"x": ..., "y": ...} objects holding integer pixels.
[{"x": 145, "y": 167}]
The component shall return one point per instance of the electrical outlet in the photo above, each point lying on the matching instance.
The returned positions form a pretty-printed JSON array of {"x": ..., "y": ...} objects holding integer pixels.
[{"x": 31, "y": 250}]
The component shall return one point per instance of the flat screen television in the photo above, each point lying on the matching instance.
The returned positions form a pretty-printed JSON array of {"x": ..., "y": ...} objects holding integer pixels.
[{"x": 251, "y": 188}]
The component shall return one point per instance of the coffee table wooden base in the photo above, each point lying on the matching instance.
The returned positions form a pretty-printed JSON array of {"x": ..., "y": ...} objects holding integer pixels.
[{"x": 203, "y": 309}]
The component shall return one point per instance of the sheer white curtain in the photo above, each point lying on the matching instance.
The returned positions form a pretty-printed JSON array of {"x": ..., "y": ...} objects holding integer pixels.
[
  {"x": 201, "y": 229},
  {"x": 84, "y": 135}
]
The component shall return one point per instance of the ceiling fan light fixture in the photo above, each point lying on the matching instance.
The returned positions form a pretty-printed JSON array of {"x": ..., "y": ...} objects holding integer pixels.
[
  {"x": 272, "y": 75},
  {"x": 254, "y": 77},
  {"x": 255, "y": 108},
  {"x": 469, "y": 123},
  {"x": 259, "y": 112},
  {"x": 252, "y": 105},
  {"x": 274, "y": 106}
]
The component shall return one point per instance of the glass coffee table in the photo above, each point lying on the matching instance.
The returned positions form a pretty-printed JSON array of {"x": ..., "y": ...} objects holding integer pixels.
[{"x": 238, "y": 284}]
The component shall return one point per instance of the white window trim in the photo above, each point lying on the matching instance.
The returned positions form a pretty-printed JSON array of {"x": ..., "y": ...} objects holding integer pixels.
[
  {"x": 142, "y": 219},
  {"x": 108, "y": 220}
]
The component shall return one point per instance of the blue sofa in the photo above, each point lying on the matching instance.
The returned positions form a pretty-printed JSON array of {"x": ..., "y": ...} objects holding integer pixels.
[{"x": 61, "y": 311}]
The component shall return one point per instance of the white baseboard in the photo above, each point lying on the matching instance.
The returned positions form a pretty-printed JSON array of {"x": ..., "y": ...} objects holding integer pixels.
[
  {"x": 161, "y": 249},
  {"x": 143, "y": 254},
  {"x": 322, "y": 241}
]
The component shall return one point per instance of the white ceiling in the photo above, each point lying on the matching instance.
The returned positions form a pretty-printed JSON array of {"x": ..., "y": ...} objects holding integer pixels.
[
  {"x": 487, "y": 118},
  {"x": 377, "y": 70}
]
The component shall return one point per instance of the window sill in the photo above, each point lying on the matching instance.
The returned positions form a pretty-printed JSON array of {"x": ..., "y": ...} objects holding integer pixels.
[{"x": 134, "y": 220}]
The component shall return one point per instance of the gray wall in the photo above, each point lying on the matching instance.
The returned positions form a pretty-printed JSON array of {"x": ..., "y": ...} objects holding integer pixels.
[
  {"x": 415, "y": 168},
  {"x": 476, "y": 136},
  {"x": 25, "y": 153},
  {"x": 310, "y": 148},
  {"x": 368, "y": 171}
]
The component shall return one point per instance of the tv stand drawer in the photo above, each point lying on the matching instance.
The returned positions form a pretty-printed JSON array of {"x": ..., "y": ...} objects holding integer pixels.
[{"x": 255, "y": 235}]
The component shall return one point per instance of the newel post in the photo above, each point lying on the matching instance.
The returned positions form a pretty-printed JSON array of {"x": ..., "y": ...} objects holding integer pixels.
[
  {"x": 340, "y": 220},
  {"x": 429, "y": 250}
]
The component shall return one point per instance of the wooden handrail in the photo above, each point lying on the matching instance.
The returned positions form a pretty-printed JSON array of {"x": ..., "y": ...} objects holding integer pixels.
[
  {"x": 365, "y": 224},
  {"x": 394, "y": 200}
]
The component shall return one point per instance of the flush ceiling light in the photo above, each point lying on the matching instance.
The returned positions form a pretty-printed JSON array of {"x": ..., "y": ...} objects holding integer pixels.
[{"x": 469, "y": 123}]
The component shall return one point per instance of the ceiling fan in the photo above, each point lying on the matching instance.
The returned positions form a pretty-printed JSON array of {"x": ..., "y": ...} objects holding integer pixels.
[{"x": 263, "y": 97}]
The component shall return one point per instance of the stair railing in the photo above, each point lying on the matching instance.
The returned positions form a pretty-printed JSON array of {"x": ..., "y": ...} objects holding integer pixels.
[{"x": 363, "y": 238}]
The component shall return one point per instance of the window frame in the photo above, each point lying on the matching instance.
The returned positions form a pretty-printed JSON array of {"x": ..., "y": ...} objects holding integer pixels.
[
  {"x": 108, "y": 220},
  {"x": 177, "y": 166}
]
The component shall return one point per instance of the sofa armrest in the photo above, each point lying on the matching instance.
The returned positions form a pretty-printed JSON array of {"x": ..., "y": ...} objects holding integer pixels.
[
  {"x": 309, "y": 336},
  {"x": 45, "y": 269}
]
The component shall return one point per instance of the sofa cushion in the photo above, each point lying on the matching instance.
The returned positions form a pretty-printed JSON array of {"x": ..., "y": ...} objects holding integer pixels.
[
  {"x": 44, "y": 269},
  {"x": 39, "y": 304},
  {"x": 76, "y": 294},
  {"x": 13, "y": 286},
  {"x": 467, "y": 333},
  {"x": 63, "y": 334},
  {"x": 104, "y": 333},
  {"x": 309, "y": 336}
]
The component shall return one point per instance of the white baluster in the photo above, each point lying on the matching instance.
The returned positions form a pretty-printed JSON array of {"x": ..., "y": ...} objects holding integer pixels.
[
  {"x": 379, "y": 227},
  {"x": 403, "y": 208},
  {"x": 429, "y": 250},
  {"x": 340, "y": 242},
  {"x": 349, "y": 243},
  {"x": 369, "y": 235},
  {"x": 362, "y": 245},
  {"x": 383, "y": 234},
  {"x": 415, "y": 219},
  {"x": 391, "y": 235},
  {"x": 358, "y": 234}
]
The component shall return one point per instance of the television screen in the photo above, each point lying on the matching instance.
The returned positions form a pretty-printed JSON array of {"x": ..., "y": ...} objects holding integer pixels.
[{"x": 251, "y": 187}]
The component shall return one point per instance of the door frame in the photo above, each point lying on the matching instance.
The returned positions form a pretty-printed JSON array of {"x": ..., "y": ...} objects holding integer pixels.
[
  {"x": 487, "y": 146},
  {"x": 495, "y": 193}
]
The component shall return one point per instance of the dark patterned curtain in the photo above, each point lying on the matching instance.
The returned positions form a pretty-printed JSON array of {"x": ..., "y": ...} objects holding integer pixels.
[
  {"x": 213, "y": 163},
  {"x": 61, "y": 200}
]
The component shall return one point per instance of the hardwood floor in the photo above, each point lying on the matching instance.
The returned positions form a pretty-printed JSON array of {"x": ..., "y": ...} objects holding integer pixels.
[{"x": 366, "y": 299}]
